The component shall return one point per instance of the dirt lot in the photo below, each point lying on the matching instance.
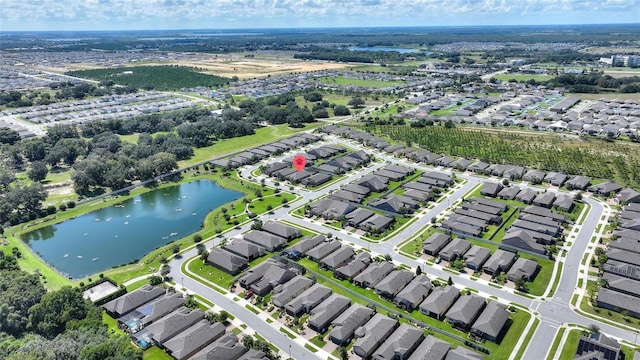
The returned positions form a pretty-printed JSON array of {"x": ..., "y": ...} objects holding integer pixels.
[{"x": 246, "y": 68}]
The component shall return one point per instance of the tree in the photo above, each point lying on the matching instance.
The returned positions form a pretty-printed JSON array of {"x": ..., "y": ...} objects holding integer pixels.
[
  {"x": 165, "y": 270},
  {"x": 38, "y": 171},
  {"x": 341, "y": 110},
  {"x": 247, "y": 341},
  {"x": 257, "y": 225},
  {"x": 313, "y": 96},
  {"x": 343, "y": 353},
  {"x": 175, "y": 248},
  {"x": 8, "y": 136},
  {"x": 450, "y": 281},
  {"x": 387, "y": 257},
  {"x": 521, "y": 284},
  {"x": 57, "y": 309},
  {"x": 593, "y": 329},
  {"x": 155, "y": 280},
  {"x": 197, "y": 238},
  {"x": 204, "y": 255},
  {"x": 356, "y": 103},
  {"x": 418, "y": 270},
  {"x": 449, "y": 124}
]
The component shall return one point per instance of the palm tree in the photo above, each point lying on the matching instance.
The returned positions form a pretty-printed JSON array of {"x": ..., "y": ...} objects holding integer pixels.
[{"x": 594, "y": 329}]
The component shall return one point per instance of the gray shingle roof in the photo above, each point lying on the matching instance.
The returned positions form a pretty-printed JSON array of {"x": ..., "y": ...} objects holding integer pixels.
[
  {"x": 346, "y": 324},
  {"x": 187, "y": 342},
  {"x": 440, "y": 299},
  {"x": 415, "y": 292},
  {"x": 466, "y": 309},
  {"x": 372, "y": 334},
  {"x": 226, "y": 347},
  {"x": 491, "y": 321},
  {"x": 174, "y": 323},
  {"x": 338, "y": 257},
  {"x": 308, "y": 299},
  {"x": 522, "y": 268},
  {"x": 374, "y": 273},
  {"x": 283, "y": 293},
  {"x": 132, "y": 300},
  {"x": 394, "y": 282},
  {"x": 328, "y": 310},
  {"x": 431, "y": 348},
  {"x": 400, "y": 344},
  {"x": 227, "y": 261}
]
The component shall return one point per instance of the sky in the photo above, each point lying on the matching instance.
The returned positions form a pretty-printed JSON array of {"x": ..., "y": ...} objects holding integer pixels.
[{"x": 72, "y": 15}]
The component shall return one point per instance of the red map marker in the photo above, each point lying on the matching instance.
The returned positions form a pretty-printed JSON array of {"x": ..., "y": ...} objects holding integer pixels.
[{"x": 299, "y": 161}]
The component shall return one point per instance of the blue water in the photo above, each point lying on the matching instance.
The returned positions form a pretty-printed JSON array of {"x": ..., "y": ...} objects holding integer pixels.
[
  {"x": 127, "y": 231},
  {"x": 400, "y": 50}
]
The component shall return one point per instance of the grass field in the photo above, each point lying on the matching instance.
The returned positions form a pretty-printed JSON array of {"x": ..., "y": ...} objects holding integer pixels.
[
  {"x": 229, "y": 146},
  {"x": 340, "y": 80},
  {"x": 523, "y": 77}
]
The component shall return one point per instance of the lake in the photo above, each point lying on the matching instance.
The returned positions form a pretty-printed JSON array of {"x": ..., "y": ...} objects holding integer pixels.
[
  {"x": 400, "y": 50},
  {"x": 127, "y": 231}
]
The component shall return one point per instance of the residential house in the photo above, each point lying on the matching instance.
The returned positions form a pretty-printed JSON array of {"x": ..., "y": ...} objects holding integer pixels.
[
  {"x": 147, "y": 313},
  {"x": 323, "y": 314},
  {"x": 465, "y": 311},
  {"x": 545, "y": 199},
  {"x": 555, "y": 178},
  {"x": 348, "y": 322},
  {"x": 129, "y": 302},
  {"x": 171, "y": 325},
  {"x": 462, "y": 228},
  {"x": 598, "y": 346},
  {"x": 439, "y": 301},
  {"x": 374, "y": 182},
  {"x": 226, "y": 261},
  {"x": 395, "y": 204},
  {"x": 355, "y": 267},
  {"x": 564, "y": 202},
  {"x": 244, "y": 249},
  {"x": 491, "y": 324},
  {"x": 622, "y": 284},
  {"x": 478, "y": 167},
  {"x": 540, "y": 211},
  {"x": 323, "y": 250},
  {"x": 400, "y": 344},
  {"x": 253, "y": 354},
  {"x": 534, "y": 176},
  {"x": 462, "y": 353},
  {"x": 578, "y": 182},
  {"x": 455, "y": 249},
  {"x": 376, "y": 224},
  {"x": 268, "y": 241},
  {"x": 523, "y": 269},
  {"x": 316, "y": 179},
  {"x": 308, "y": 243},
  {"x": 347, "y": 196},
  {"x": 281, "y": 230},
  {"x": 526, "y": 195},
  {"x": 338, "y": 258},
  {"x": 330, "y": 209},
  {"x": 436, "y": 242},
  {"x": 414, "y": 293},
  {"x": 618, "y": 302},
  {"x": 271, "y": 275},
  {"x": 509, "y": 193},
  {"x": 629, "y": 195},
  {"x": 499, "y": 262},
  {"x": 193, "y": 339},
  {"x": 307, "y": 300},
  {"x": 373, "y": 274},
  {"x": 605, "y": 189},
  {"x": 372, "y": 334},
  {"x": 431, "y": 348},
  {"x": 226, "y": 347},
  {"x": 393, "y": 283},
  {"x": 476, "y": 257},
  {"x": 622, "y": 269},
  {"x": 513, "y": 172},
  {"x": 284, "y": 293},
  {"x": 357, "y": 216}
]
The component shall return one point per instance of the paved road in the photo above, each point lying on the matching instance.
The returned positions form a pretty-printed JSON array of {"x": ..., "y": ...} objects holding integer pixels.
[{"x": 552, "y": 312}]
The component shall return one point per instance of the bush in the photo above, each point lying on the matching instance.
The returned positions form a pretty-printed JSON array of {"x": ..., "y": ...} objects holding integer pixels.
[
  {"x": 71, "y": 204},
  {"x": 197, "y": 238},
  {"x": 62, "y": 207}
]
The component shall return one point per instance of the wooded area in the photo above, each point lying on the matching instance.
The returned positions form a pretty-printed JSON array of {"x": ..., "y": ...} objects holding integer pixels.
[
  {"x": 36, "y": 325},
  {"x": 163, "y": 78}
]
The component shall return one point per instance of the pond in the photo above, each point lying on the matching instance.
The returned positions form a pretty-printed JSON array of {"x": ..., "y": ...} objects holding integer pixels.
[
  {"x": 400, "y": 50},
  {"x": 124, "y": 232}
]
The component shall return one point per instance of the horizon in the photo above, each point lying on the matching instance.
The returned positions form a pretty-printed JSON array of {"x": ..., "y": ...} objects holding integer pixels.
[
  {"x": 397, "y": 27},
  {"x": 124, "y": 15}
]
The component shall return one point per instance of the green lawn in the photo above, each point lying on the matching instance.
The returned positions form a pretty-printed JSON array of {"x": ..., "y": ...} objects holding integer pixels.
[
  {"x": 612, "y": 316},
  {"x": 523, "y": 77},
  {"x": 341, "y": 80},
  {"x": 228, "y": 146},
  {"x": 556, "y": 343},
  {"x": 155, "y": 353},
  {"x": 571, "y": 345},
  {"x": 210, "y": 273}
]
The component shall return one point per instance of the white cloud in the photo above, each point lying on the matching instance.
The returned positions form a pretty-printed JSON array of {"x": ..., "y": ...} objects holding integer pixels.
[{"x": 136, "y": 14}]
